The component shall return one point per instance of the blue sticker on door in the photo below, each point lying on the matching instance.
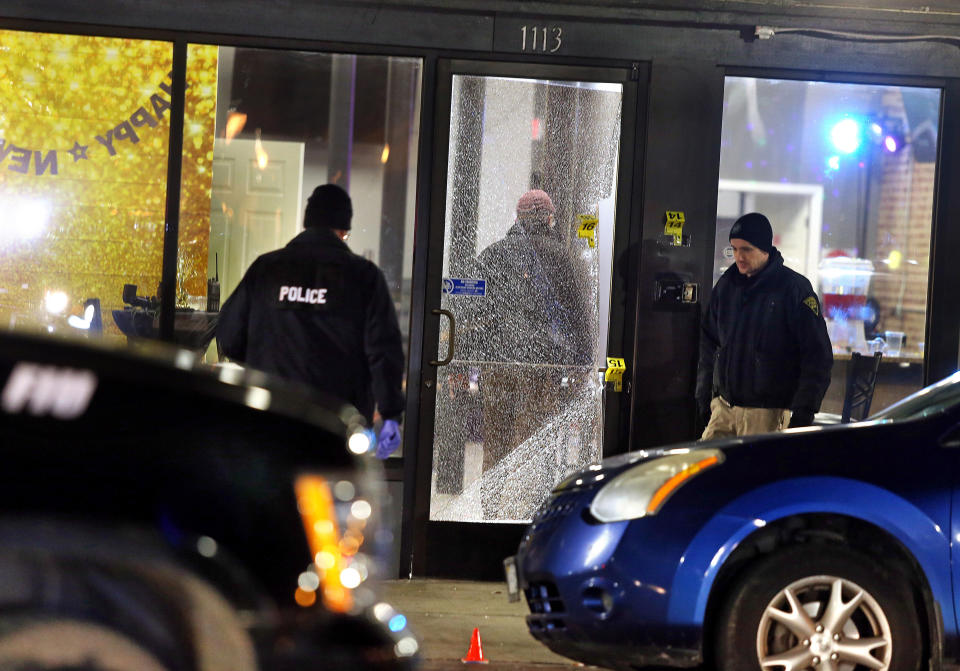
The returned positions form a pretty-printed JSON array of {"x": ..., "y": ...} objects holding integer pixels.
[{"x": 460, "y": 286}]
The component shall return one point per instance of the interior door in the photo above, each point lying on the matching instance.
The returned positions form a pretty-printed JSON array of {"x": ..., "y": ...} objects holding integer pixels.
[
  {"x": 255, "y": 203},
  {"x": 530, "y": 174}
]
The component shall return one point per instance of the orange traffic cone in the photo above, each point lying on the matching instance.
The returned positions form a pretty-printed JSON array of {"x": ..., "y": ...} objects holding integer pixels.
[{"x": 475, "y": 653}]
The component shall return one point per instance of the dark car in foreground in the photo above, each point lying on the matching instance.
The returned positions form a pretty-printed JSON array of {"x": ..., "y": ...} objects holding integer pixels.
[
  {"x": 158, "y": 514},
  {"x": 829, "y": 548}
]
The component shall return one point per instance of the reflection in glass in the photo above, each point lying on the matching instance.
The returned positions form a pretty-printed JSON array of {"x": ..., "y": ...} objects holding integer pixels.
[
  {"x": 845, "y": 172},
  {"x": 286, "y": 122},
  {"x": 520, "y": 405}
]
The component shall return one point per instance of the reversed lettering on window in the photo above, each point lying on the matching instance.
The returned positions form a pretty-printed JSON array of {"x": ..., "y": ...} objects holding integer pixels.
[{"x": 63, "y": 393}]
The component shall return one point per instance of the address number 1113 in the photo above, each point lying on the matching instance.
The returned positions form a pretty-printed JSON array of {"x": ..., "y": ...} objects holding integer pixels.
[{"x": 541, "y": 38}]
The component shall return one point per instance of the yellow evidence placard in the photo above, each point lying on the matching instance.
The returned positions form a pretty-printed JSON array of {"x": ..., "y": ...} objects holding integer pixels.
[
  {"x": 588, "y": 228},
  {"x": 674, "y": 225}
]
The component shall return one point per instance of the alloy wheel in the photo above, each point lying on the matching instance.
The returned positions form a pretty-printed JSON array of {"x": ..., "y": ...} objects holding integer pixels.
[{"x": 824, "y": 623}]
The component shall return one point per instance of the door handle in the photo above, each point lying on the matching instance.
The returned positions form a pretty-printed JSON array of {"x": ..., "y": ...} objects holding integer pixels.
[{"x": 450, "y": 343}]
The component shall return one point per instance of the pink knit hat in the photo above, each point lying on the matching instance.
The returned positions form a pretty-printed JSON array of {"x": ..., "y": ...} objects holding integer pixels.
[{"x": 533, "y": 201}]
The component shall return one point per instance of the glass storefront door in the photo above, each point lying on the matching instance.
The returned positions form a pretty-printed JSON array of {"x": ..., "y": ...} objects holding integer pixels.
[{"x": 529, "y": 228}]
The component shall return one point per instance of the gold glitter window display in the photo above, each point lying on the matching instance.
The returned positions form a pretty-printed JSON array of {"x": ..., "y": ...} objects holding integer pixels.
[
  {"x": 83, "y": 162},
  {"x": 84, "y": 133},
  {"x": 200, "y": 107}
]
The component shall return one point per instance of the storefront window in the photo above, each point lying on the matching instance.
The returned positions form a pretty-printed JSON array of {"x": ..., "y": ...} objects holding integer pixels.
[
  {"x": 845, "y": 173},
  {"x": 281, "y": 123},
  {"x": 83, "y": 165}
]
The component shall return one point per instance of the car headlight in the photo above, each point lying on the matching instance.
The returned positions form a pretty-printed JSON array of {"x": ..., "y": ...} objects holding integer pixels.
[
  {"x": 643, "y": 489},
  {"x": 341, "y": 520}
]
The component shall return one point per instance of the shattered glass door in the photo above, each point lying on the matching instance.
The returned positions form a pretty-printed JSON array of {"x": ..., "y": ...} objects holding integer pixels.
[{"x": 531, "y": 195}]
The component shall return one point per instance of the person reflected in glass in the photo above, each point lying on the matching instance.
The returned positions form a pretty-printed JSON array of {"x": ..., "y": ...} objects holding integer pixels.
[
  {"x": 532, "y": 329},
  {"x": 765, "y": 356},
  {"x": 317, "y": 313}
]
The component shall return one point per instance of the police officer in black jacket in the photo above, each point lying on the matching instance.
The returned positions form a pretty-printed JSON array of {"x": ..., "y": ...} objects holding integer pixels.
[
  {"x": 765, "y": 357},
  {"x": 317, "y": 313}
]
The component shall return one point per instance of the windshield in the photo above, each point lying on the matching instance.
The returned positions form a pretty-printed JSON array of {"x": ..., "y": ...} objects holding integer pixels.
[{"x": 928, "y": 401}]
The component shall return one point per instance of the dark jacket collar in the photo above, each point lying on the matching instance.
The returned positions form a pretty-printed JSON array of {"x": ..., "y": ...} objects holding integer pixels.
[{"x": 318, "y": 235}]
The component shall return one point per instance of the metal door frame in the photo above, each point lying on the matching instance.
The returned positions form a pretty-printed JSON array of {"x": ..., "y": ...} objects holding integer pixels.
[{"x": 449, "y": 549}]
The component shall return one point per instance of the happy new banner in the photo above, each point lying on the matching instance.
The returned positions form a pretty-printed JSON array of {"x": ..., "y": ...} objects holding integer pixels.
[
  {"x": 84, "y": 133},
  {"x": 47, "y": 161}
]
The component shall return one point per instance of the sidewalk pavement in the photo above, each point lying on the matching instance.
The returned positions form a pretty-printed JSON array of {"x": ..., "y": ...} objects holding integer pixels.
[{"x": 444, "y": 613}]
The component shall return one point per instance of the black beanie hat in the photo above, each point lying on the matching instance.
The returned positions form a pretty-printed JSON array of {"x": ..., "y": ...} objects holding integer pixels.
[
  {"x": 755, "y": 229},
  {"x": 329, "y": 205}
]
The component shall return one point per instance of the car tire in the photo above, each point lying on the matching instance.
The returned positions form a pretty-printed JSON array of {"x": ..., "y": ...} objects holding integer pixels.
[
  {"x": 45, "y": 642},
  {"x": 794, "y": 609},
  {"x": 145, "y": 610}
]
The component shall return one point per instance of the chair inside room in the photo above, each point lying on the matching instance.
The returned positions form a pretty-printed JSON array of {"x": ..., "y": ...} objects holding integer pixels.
[{"x": 861, "y": 380}]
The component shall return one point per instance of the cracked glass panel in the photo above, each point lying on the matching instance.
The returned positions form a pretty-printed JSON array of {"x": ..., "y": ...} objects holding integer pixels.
[{"x": 531, "y": 184}]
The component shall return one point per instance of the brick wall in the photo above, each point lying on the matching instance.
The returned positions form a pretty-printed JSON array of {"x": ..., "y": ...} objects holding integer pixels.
[{"x": 903, "y": 222}]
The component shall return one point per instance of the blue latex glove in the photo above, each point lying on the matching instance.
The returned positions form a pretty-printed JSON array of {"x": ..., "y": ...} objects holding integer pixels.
[{"x": 389, "y": 439}]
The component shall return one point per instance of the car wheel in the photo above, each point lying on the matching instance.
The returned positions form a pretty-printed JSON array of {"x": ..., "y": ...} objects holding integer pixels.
[{"x": 819, "y": 607}]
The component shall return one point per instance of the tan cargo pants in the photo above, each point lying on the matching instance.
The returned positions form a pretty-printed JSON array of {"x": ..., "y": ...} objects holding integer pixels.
[{"x": 727, "y": 421}]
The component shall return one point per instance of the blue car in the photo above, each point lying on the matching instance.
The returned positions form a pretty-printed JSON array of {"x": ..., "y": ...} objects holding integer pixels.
[{"x": 827, "y": 548}]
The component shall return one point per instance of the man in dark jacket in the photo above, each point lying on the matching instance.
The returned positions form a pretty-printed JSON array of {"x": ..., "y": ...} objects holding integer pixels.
[
  {"x": 317, "y": 313},
  {"x": 536, "y": 309},
  {"x": 535, "y": 327},
  {"x": 765, "y": 357}
]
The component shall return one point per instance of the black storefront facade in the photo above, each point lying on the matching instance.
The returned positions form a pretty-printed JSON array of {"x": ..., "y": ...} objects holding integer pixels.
[{"x": 680, "y": 77}]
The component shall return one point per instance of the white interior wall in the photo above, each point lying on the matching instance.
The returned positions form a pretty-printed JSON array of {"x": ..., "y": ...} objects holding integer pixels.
[
  {"x": 508, "y": 109},
  {"x": 366, "y": 192}
]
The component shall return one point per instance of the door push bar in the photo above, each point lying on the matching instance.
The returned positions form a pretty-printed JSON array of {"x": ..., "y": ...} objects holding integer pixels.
[{"x": 450, "y": 343}]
